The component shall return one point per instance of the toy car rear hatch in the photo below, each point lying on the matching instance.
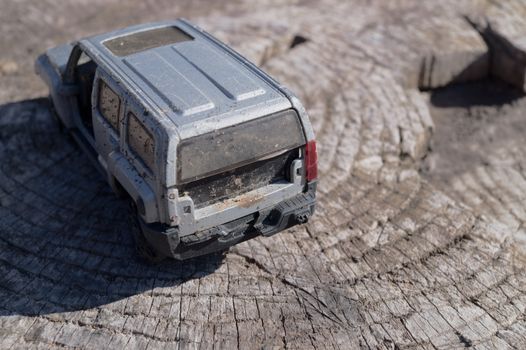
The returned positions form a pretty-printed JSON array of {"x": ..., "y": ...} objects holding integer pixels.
[{"x": 238, "y": 159}]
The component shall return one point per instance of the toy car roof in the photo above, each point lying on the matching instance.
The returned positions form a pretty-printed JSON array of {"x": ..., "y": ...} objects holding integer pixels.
[{"x": 184, "y": 73}]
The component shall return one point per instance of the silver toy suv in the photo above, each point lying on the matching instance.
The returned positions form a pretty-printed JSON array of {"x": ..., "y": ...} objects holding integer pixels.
[{"x": 209, "y": 149}]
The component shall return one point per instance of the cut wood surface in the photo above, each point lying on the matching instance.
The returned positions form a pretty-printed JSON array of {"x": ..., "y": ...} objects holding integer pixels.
[{"x": 419, "y": 239}]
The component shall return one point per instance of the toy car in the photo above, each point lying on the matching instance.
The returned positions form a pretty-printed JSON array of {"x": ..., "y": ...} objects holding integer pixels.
[{"x": 209, "y": 149}]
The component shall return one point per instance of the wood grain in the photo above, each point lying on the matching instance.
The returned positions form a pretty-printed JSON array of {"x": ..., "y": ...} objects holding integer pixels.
[{"x": 413, "y": 245}]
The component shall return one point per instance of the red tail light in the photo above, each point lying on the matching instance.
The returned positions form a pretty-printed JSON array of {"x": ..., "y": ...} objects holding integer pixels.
[{"x": 311, "y": 160}]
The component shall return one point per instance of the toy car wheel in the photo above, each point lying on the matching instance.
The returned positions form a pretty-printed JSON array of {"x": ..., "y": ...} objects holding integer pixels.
[{"x": 143, "y": 248}]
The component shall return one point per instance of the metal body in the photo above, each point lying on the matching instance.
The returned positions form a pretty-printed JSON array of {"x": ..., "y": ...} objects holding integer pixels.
[{"x": 131, "y": 103}]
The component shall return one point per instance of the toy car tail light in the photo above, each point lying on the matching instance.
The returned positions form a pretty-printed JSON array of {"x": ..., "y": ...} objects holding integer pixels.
[{"x": 311, "y": 160}]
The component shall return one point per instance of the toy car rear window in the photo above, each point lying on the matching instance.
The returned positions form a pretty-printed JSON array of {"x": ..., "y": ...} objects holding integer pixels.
[
  {"x": 232, "y": 147},
  {"x": 148, "y": 39}
]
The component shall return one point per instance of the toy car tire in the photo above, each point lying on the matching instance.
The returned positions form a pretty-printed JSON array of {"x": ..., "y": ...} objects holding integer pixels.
[{"x": 144, "y": 250}]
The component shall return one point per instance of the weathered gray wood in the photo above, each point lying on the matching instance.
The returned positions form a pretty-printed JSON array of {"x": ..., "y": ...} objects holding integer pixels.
[{"x": 394, "y": 258}]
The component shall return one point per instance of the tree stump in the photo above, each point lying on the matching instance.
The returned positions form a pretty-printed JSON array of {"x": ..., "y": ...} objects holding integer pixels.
[{"x": 418, "y": 240}]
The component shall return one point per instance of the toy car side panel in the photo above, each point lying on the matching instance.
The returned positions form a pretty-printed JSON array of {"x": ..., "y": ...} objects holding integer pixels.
[
  {"x": 114, "y": 155},
  {"x": 107, "y": 139}
]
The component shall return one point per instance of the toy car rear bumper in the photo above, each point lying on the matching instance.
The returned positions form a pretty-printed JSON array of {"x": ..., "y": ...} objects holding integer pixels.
[{"x": 167, "y": 241}]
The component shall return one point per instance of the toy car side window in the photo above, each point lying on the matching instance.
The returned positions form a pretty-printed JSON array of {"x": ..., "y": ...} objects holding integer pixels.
[
  {"x": 141, "y": 141},
  {"x": 109, "y": 105}
]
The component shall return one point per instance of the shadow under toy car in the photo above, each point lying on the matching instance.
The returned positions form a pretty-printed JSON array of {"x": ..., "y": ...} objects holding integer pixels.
[{"x": 210, "y": 150}]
